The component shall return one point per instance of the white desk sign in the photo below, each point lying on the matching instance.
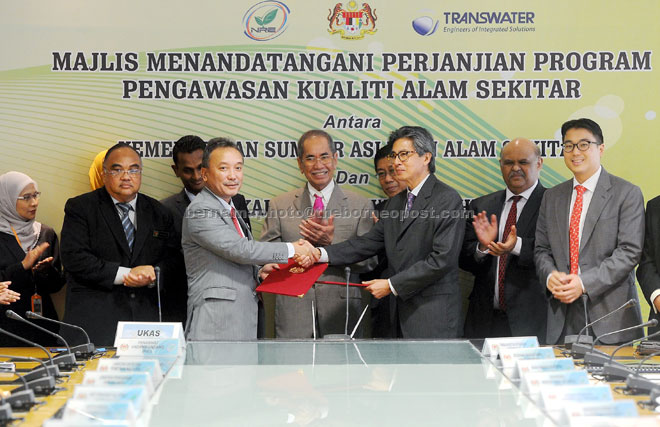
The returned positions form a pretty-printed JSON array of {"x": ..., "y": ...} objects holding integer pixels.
[
  {"x": 98, "y": 412},
  {"x": 534, "y": 382},
  {"x": 555, "y": 398},
  {"x": 96, "y": 378},
  {"x": 543, "y": 365},
  {"x": 492, "y": 346},
  {"x": 150, "y": 366},
  {"x": 617, "y": 408},
  {"x": 135, "y": 394},
  {"x": 149, "y": 339},
  {"x": 509, "y": 356}
]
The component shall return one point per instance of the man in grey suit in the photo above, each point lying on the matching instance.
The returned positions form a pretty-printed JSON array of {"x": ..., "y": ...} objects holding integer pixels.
[
  {"x": 420, "y": 230},
  {"x": 221, "y": 254},
  {"x": 322, "y": 213},
  {"x": 589, "y": 237}
]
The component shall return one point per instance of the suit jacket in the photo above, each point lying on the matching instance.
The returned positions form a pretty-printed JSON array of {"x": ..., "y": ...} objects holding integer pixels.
[
  {"x": 525, "y": 300},
  {"x": 648, "y": 272},
  {"x": 94, "y": 246},
  {"x": 610, "y": 247},
  {"x": 293, "y": 316},
  {"x": 26, "y": 283},
  {"x": 175, "y": 301},
  {"x": 222, "y": 275},
  {"x": 422, "y": 251}
]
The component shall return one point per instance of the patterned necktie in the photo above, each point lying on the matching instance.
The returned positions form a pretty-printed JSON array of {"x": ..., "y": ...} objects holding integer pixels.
[
  {"x": 510, "y": 221},
  {"x": 236, "y": 224},
  {"x": 409, "y": 203},
  {"x": 574, "y": 230},
  {"x": 318, "y": 204},
  {"x": 127, "y": 224}
]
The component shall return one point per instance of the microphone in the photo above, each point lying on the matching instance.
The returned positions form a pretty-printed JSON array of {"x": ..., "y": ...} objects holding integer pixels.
[
  {"x": 43, "y": 371},
  {"x": 569, "y": 340},
  {"x": 579, "y": 349},
  {"x": 637, "y": 384},
  {"x": 344, "y": 336},
  {"x": 157, "y": 283},
  {"x": 42, "y": 385},
  {"x": 84, "y": 350},
  {"x": 618, "y": 370},
  {"x": 33, "y": 344},
  {"x": 65, "y": 361},
  {"x": 21, "y": 400},
  {"x": 596, "y": 357}
]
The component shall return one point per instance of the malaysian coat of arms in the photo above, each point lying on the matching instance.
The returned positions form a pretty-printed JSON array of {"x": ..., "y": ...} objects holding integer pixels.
[{"x": 351, "y": 22}]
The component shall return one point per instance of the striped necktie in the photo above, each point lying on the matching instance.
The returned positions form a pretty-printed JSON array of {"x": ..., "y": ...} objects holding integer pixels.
[{"x": 127, "y": 224}]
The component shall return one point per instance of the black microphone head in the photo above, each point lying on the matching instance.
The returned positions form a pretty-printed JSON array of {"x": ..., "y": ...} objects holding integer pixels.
[
  {"x": 631, "y": 303},
  {"x": 653, "y": 322},
  {"x": 157, "y": 269},
  {"x": 31, "y": 315},
  {"x": 12, "y": 315}
]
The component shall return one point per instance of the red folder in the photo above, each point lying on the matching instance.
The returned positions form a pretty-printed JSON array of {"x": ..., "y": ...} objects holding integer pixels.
[{"x": 293, "y": 280}]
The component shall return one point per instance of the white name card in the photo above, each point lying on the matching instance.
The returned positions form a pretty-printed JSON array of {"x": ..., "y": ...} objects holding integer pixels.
[
  {"x": 543, "y": 365},
  {"x": 97, "y": 412},
  {"x": 135, "y": 394},
  {"x": 492, "y": 346},
  {"x": 509, "y": 356},
  {"x": 149, "y": 339},
  {"x": 97, "y": 378},
  {"x": 534, "y": 382},
  {"x": 555, "y": 398},
  {"x": 127, "y": 365}
]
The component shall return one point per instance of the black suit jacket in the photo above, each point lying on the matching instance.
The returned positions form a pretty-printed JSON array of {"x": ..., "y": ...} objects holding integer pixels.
[
  {"x": 523, "y": 293},
  {"x": 26, "y": 283},
  {"x": 94, "y": 246},
  {"x": 175, "y": 301},
  {"x": 648, "y": 272},
  {"x": 422, "y": 253}
]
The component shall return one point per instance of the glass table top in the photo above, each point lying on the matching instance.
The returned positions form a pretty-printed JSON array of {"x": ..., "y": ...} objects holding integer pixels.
[{"x": 339, "y": 383}]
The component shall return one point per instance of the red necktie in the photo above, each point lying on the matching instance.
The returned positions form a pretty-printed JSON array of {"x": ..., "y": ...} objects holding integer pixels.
[
  {"x": 510, "y": 221},
  {"x": 236, "y": 224},
  {"x": 574, "y": 230},
  {"x": 318, "y": 204}
]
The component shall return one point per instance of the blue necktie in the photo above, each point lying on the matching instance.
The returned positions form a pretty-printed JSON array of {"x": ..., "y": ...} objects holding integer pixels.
[
  {"x": 409, "y": 203},
  {"x": 127, "y": 224}
]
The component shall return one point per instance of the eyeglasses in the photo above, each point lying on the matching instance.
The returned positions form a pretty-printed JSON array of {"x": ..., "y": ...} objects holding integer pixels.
[
  {"x": 326, "y": 159},
  {"x": 402, "y": 155},
  {"x": 29, "y": 197},
  {"x": 581, "y": 145},
  {"x": 121, "y": 172}
]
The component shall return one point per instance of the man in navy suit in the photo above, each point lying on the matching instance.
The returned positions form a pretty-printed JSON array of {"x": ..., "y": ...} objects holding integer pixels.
[{"x": 498, "y": 248}]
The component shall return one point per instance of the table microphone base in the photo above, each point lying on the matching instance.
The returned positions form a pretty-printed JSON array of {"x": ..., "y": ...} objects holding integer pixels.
[{"x": 337, "y": 337}]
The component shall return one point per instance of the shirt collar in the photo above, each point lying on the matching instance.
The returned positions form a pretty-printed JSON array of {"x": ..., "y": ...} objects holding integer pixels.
[
  {"x": 190, "y": 195},
  {"x": 132, "y": 203},
  {"x": 325, "y": 193},
  {"x": 416, "y": 190},
  {"x": 590, "y": 183},
  {"x": 525, "y": 194},
  {"x": 226, "y": 205}
]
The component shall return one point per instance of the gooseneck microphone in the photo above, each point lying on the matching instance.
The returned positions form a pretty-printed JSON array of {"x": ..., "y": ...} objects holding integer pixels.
[
  {"x": 33, "y": 344},
  {"x": 579, "y": 349},
  {"x": 157, "y": 281},
  {"x": 569, "y": 340},
  {"x": 614, "y": 370},
  {"x": 66, "y": 361},
  {"x": 43, "y": 385},
  {"x": 595, "y": 357},
  {"x": 84, "y": 350},
  {"x": 347, "y": 273}
]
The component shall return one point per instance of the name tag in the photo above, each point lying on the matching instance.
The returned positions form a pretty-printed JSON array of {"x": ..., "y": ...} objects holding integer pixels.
[
  {"x": 509, "y": 356},
  {"x": 90, "y": 411},
  {"x": 119, "y": 378},
  {"x": 543, "y": 365},
  {"x": 555, "y": 398},
  {"x": 492, "y": 346},
  {"x": 618, "y": 408},
  {"x": 136, "y": 395},
  {"x": 124, "y": 365},
  {"x": 535, "y": 381},
  {"x": 149, "y": 339}
]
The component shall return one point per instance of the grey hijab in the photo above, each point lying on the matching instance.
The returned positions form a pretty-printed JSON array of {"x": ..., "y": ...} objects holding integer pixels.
[{"x": 11, "y": 185}]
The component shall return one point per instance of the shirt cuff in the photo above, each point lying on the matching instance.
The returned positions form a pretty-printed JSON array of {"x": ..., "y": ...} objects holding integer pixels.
[
  {"x": 291, "y": 250},
  {"x": 324, "y": 255},
  {"x": 479, "y": 254},
  {"x": 547, "y": 279},
  {"x": 516, "y": 249},
  {"x": 584, "y": 291},
  {"x": 389, "y": 282},
  {"x": 654, "y": 295},
  {"x": 119, "y": 277}
]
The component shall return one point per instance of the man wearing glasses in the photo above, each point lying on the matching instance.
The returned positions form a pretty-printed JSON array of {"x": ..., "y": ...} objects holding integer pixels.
[
  {"x": 112, "y": 238},
  {"x": 421, "y": 230},
  {"x": 321, "y": 213},
  {"x": 589, "y": 237}
]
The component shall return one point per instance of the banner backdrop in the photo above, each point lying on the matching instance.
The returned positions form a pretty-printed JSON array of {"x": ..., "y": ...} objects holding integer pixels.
[{"x": 77, "y": 76}]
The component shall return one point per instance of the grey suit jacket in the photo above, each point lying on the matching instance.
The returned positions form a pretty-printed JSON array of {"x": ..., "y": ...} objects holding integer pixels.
[
  {"x": 648, "y": 272},
  {"x": 293, "y": 316},
  {"x": 422, "y": 252},
  {"x": 222, "y": 275},
  {"x": 610, "y": 247}
]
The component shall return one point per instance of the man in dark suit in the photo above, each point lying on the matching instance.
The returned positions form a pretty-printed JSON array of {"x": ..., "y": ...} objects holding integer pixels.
[
  {"x": 112, "y": 238},
  {"x": 418, "y": 229},
  {"x": 187, "y": 158},
  {"x": 648, "y": 272},
  {"x": 589, "y": 238},
  {"x": 507, "y": 299}
]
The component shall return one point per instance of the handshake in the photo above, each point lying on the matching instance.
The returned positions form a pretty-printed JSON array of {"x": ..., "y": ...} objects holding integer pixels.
[{"x": 305, "y": 254}]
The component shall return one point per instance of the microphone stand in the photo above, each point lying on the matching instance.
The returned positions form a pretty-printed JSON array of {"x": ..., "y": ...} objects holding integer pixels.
[{"x": 85, "y": 351}]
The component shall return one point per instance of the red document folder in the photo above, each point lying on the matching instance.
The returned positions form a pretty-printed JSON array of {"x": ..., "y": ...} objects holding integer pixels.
[{"x": 294, "y": 280}]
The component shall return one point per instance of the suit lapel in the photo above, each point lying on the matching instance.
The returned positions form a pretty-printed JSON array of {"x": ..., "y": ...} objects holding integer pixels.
[
  {"x": 596, "y": 206},
  {"x": 420, "y": 203},
  {"x": 529, "y": 210},
  {"x": 182, "y": 202},
  {"x": 111, "y": 217},
  {"x": 244, "y": 227},
  {"x": 338, "y": 200},
  {"x": 144, "y": 225},
  {"x": 301, "y": 201}
]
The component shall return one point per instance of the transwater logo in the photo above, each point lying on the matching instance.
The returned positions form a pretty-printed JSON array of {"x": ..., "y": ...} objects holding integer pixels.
[
  {"x": 266, "y": 20},
  {"x": 352, "y": 23},
  {"x": 424, "y": 25},
  {"x": 500, "y": 21}
]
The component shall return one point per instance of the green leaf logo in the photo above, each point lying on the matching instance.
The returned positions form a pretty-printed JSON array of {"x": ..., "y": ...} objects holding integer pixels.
[
  {"x": 259, "y": 21},
  {"x": 267, "y": 18}
]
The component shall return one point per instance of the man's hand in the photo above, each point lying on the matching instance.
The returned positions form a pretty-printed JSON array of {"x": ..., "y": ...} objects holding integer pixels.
[
  {"x": 379, "y": 288},
  {"x": 8, "y": 296},
  {"x": 43, "y": 264},
  {"x": 557, "y": 279},
  {"x": 318, "y": 230},
  {"x": 656, "y": 303},
  {"x": 569, "y": 290},
  {"x": 485, "y": 230},
  {"x": 306, "y": 254},
  {"x": 374, "y": 217},
  {"x": 140, "y": 276},
  {"x": 267, "y": 269},
  {"x": 499, "y": 248},
  {"x": 33, "y": 255}
]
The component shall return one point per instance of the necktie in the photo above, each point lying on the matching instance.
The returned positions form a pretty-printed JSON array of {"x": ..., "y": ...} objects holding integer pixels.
[
  {"x": 409, "y": 203},
  {"x": 510, "y": 221},
  {"x": 127, "y": 224},
  {"x": 574, "y": 230},
  {"x": 236, "y": 224},
  {"x": 318, "y": 204}
]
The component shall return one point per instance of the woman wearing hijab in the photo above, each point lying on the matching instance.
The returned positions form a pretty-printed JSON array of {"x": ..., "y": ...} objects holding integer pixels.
[{"x": 29, "y": 259}]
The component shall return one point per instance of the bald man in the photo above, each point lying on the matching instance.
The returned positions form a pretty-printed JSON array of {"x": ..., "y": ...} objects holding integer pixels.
[{"x": 498, "y": 248}]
